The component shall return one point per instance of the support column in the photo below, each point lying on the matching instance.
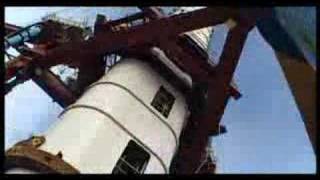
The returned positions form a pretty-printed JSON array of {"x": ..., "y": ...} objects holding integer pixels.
[
  {"x": 301, "y": 78},
  {"x": 192, "y": 149}
]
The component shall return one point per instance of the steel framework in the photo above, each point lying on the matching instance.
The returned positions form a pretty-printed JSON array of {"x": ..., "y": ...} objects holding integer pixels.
[{"x": 122, "y": 38}]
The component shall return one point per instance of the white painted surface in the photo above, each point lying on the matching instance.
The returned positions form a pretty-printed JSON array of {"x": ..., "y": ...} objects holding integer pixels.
[
  {"x": 93, "y": 143},
  {"x": 237, "y": 153},
  {"x": 200, "y": 36},
  {"x": 184, "y": 77},
  {"x": 20, "y": 171}
]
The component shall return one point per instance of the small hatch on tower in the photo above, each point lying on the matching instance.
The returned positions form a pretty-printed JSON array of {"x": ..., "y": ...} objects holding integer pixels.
[
  {"x": 133, "y": 160},
  {"x": 163, "y": 101}
]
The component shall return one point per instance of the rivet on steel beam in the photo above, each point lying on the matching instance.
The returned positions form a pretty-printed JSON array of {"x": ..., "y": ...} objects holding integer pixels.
[
  {"x": 37, "y": 141},
  {"x": 59, "y": 155},
  {"x": 230, "y": 23},
  {"x": 38, "y": 71}
]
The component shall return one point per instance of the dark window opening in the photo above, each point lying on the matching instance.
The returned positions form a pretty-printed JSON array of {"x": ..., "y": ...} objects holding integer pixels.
[
  {"x": 163, "y": 101},
  {"x": 133, "y": 160}
]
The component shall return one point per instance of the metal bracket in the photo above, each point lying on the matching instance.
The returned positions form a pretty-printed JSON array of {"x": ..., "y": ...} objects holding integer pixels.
[{"x": 26, "y": 155}]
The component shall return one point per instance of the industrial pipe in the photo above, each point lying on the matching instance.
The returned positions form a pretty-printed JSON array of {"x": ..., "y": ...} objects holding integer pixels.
[{"x": 24, "y": 35}]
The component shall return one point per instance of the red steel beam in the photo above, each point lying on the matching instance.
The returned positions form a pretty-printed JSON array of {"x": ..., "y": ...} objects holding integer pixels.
[
  {"x": 94, "y": 66},
  {"x": 90, "y": 71},
  {"x": 184, "y": 59},
  {"x": 54, "y": 87},
  {"x": 10, "y": 28},
  {"x": 192, "y": 150},
  {"x": 195, "y": 62},
  {"x": 143, "y": 34},
  {"x": 301, "y": 78},
  {"x": 27, "y": 58},
  {"x": 196, "y": 136},
  {"x": 152, "y": 12},
  {"x": 44, "y": 78},
  {"x": 167, "y": 28},
  {"x": 139, "y": 15},
  {"x": 189, "y": 62},
  {"x": 14, "y": 65},
  {"x": 149, "y": 33},
  {"x": 47, "y": 80}
]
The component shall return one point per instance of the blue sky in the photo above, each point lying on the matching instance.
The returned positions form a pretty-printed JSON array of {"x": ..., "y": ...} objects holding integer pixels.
[{"x": 265, "y": 131}]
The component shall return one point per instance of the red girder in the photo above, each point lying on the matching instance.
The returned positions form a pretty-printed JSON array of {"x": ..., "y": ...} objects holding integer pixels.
[
  {"x": 149, "y": 33},
  {"x": 196, "y": 133},
  {"x": 14, "y": 65},
  {"x": 156, "y": 33},
  {"x": 152, "y": 32},
  {"x": 46, "y": 80},
  {"x": 54, "y": 87},
  {"x": 10, "y": 28},
  {"x": 163, "y": 32},
  {"x": 139, "y": 15},
  {"x": 190, "y": 154},
  {"x": 183, "y": 59},
  {"x": 152, "y": 12}
]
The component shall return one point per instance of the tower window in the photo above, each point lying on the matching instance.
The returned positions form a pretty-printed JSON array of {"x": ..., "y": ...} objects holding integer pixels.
[
  {"x": 163, "y": 101},
  {"x": 133, "y": 160}
]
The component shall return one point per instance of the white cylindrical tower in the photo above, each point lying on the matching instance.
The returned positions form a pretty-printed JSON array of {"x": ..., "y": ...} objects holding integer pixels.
[{"x": 127, "y": 122}]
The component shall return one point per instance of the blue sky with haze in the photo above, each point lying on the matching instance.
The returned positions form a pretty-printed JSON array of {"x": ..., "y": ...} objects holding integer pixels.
[{"x": 265, "y": 131}]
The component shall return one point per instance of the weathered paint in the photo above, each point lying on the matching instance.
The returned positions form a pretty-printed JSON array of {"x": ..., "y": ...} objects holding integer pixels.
[{"x": 93, "y": 142}]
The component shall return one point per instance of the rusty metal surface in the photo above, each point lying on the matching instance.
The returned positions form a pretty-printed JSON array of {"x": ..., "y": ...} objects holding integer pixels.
[
  {"x": 10, "y": 28},
  {"x": 301, "y": 78},
  {"x": 161, "y": 32},
  {"x": 197, "y": 135},
  {"x": 195, "y": 63},
  {"x": 209, "y": 167},
  {"x": 34, "y": 141},
  {"x": 139, "y": 15},
  {"x": 14, "y": 65},
  {"x": 164, "y": 32},
  {"x": 54, "y": 87},
  {"x": 26, "y": 155},
  {"x": 148, "y": 33},
  {"x": 184, "y": 54},
  {"x": 92, "y": 67},
  {"x": 47, "y": 80},
  {"x": 90, "y": 71},
  {"x": 152, "y": 12}
]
